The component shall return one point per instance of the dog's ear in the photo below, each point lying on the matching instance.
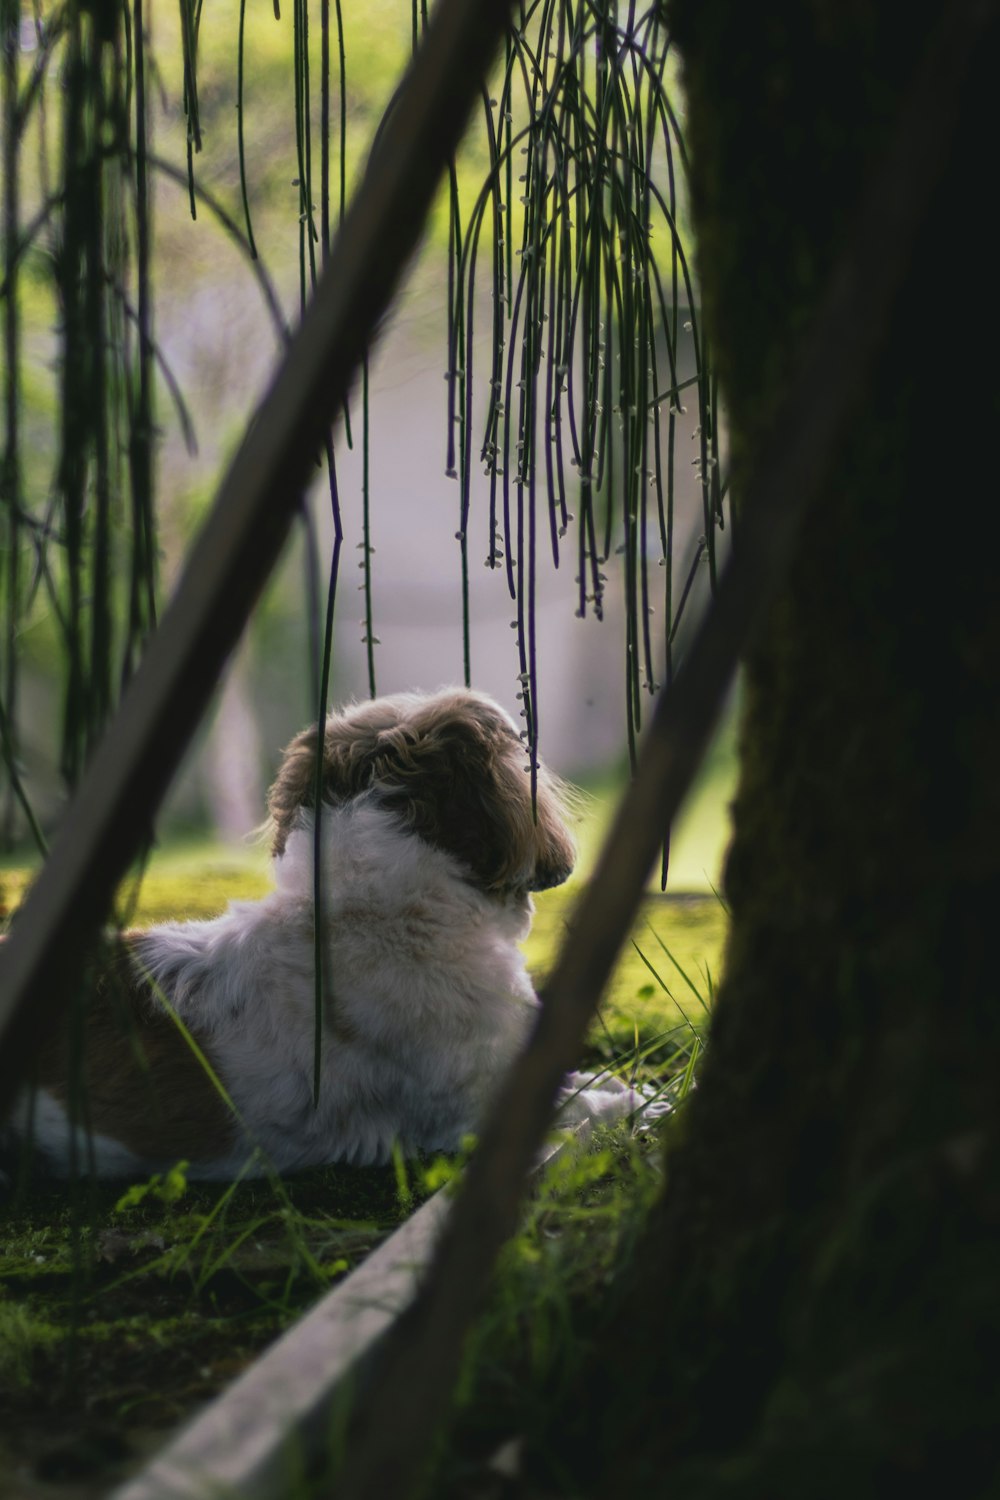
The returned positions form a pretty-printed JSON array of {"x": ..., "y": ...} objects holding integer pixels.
[
  {"x": 353, "y": 760},
  {"x": 293, "y": 788},
  {"x": 457, "y": 776},
  {"x": 345, "y": 773}
]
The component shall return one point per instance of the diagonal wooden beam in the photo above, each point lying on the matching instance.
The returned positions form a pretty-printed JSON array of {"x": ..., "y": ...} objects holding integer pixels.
[{"x": 115, "y": 804}]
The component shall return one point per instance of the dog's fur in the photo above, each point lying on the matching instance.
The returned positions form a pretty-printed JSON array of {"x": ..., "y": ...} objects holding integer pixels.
[{"x": 431, "y": 849}]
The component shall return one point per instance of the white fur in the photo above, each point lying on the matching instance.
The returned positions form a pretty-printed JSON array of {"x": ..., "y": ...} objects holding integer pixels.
[{"x": 427, "y": 1002}]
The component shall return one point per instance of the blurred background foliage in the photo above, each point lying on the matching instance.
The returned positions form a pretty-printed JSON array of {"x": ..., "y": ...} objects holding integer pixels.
[{"x": 170, "y": 178}]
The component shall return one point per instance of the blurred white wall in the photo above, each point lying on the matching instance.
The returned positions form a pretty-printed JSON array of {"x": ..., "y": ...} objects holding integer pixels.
[{"x": 223, "y": 350}]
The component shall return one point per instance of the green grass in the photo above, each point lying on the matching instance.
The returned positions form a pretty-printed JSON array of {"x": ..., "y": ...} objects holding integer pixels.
[
  {"x": 121, "y": 1311},
  {"x": 117, "y": 1317},
  {"x": 673, "y": 937},
  {"x": 557, "y": 1285}
]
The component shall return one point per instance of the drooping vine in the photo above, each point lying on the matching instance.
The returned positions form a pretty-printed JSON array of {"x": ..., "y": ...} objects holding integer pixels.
[
  {"x": 564, "y": 390},
  {"x": 79, "y": 537},
  {"x": 581, "y": 372}
]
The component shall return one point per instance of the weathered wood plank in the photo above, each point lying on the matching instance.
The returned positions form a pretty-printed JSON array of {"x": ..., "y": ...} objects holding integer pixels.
[
  {"x": 275, "y": 1420},
  {"x": 259, "y": 1434}
]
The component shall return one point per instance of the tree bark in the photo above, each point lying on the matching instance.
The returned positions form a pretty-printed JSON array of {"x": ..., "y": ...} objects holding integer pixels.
[{"x": 817, "y": 1304}]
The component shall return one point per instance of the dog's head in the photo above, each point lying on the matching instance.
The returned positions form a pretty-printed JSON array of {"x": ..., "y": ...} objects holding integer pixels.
[{"x": 453, "y": 768}]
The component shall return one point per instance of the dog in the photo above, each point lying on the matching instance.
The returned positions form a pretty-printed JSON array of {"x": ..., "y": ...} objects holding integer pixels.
[{"x": 198, "y": 1040}]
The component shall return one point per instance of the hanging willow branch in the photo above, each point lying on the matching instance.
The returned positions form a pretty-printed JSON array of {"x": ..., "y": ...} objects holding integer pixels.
[
  {"x": 566, "y": 389},
  {"x": 87, "y": 532},
  {"x": 581, "y": 369},
  {"x": 11, "y": 498}
]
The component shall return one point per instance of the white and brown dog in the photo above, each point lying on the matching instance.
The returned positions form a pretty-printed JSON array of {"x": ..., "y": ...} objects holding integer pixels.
[{"x": 430, "y": 852}]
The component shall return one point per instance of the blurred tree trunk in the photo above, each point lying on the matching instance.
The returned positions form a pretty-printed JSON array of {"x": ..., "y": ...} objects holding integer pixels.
[
  {"x": 817, "y": 1309},
  {"x": 232, "y": 779}
]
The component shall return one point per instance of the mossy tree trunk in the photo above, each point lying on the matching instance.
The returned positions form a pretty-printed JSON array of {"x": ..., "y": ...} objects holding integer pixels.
[{"x": 818, "y": 1307}]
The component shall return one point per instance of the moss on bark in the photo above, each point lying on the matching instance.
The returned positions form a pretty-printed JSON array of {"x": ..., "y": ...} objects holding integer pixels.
[{"x": 819, "y": 1306}]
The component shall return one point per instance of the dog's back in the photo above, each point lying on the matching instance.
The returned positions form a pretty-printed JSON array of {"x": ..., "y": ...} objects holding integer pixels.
[{"x": 197, "y": 1039}]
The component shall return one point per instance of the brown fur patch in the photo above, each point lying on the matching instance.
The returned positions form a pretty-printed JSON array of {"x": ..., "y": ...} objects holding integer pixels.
[
  {"x": 454, "y": 770},
  {"x": 142, "y": 1084}
]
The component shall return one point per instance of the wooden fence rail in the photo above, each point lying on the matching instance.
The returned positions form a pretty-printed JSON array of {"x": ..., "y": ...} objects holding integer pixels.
[{"x": 275, "y": 1426}]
